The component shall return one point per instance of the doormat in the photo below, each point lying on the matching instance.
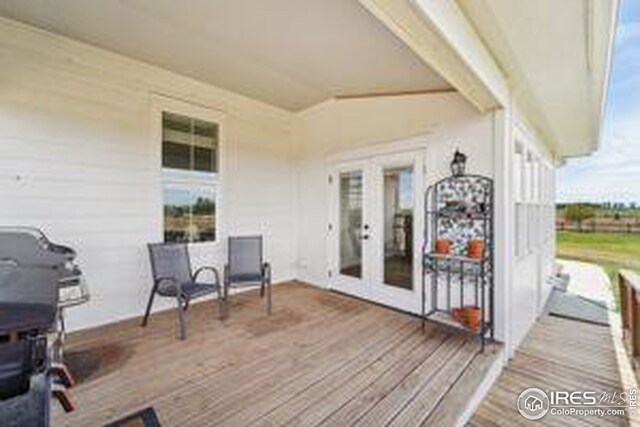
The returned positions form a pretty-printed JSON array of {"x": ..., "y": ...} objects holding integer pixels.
[
  {"x": 145, "y": 418},
  {"x": 575, "y": 307}
]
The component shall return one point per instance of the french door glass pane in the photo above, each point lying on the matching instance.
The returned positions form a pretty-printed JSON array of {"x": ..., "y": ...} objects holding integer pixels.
[
  {"x": 351, "y": 195},
  {"x": 398, "y": 227}
]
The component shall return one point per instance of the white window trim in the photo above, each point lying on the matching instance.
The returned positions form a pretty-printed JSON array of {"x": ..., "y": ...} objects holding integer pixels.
[{"x": 160, "y": 104}]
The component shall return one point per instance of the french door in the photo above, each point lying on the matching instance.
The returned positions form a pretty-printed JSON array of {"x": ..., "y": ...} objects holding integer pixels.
[{"x": 376, "y": 227}]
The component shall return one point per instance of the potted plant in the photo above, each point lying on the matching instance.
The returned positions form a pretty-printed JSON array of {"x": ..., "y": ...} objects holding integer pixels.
[
  {"x": 443, "y": 246},
  {"x": 475, "y": 248},
  {"x": 471, "y": 316}
]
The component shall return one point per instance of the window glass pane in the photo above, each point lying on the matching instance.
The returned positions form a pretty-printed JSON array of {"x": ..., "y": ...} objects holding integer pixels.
[
  {"x": 176, "y": 141},
  {"x": 398, "y": 227},
  {"x": 205, "y": 143},
  {"x": 203, "y": 208},
  {"x": 520, "y": 224},
  {"x": 351, "y": 224},
  {"x": 177, "y": 215}
]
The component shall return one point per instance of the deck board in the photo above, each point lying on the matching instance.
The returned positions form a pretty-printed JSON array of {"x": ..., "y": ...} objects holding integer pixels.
[
  {"x": 426, "y": 400},
  {"x": 557, "y": 354},
  {"x": 320, "y": 359},
  {"x": 384, "y": 384}
]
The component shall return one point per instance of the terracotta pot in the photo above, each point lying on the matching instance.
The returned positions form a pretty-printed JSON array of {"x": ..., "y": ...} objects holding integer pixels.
[
  {"x": 443, "y": 246},
  {"x": 475, "y": 248},
  {"x": 471, "y": 316},
  {"x": 456, "y": 314}
]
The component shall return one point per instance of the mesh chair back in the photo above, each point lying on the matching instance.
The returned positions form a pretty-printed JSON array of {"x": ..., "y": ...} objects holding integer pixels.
[
  {"x": 245, "y": 256},
  {"x": 170, "y": 260}
]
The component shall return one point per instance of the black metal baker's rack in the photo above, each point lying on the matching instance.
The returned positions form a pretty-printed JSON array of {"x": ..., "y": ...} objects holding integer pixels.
[{"x": 459, "y": 209}]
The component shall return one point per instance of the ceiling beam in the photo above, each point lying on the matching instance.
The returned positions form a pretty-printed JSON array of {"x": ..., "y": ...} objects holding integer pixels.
[{"x": 396, "y": 93}]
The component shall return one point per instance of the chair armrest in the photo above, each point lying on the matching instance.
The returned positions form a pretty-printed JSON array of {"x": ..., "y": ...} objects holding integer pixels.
[
  {"x": 207, "y": 268},
  {"x": 266, "y": 271}
]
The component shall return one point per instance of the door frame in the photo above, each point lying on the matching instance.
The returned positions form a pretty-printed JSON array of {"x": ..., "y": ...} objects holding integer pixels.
[{"x": 373, "y": 163}]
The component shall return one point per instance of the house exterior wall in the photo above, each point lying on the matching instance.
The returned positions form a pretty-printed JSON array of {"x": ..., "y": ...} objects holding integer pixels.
[{"x": 77, "y": 159}]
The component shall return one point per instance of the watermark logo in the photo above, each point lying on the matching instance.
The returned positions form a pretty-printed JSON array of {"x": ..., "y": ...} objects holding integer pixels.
[{"x": 533, "y": 403}]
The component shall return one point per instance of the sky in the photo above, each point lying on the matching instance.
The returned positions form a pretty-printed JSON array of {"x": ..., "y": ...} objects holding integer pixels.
[{"x": 612, "y": 174}]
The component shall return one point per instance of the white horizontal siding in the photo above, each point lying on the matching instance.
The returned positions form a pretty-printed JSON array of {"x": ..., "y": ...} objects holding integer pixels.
[{"x": 77, "y": 160}]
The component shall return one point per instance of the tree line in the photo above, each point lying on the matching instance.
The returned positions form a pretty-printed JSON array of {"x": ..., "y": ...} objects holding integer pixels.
[{"x": 608, "y": 216}]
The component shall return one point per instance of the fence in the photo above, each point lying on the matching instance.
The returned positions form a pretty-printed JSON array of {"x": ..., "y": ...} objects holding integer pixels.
[{"x": 600, "y": 226}]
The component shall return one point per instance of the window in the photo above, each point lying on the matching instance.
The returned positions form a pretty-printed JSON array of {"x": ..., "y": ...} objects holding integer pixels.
[
  {"x": 190, "y": 150},
  {"x": 520, "y": 225},
  {"x": 519, "y": 194}
]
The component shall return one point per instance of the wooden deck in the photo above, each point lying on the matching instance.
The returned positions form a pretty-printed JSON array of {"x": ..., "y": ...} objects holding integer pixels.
[
  {"x": 319, "y": 359},
  {"x": 558, "y": 354}
]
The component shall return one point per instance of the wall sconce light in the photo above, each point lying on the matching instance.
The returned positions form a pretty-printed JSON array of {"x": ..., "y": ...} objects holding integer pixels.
[{"x": 458, "y": 164}]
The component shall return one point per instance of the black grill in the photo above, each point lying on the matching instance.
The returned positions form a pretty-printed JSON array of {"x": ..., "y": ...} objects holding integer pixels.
[{"x": 32, "y": 270}]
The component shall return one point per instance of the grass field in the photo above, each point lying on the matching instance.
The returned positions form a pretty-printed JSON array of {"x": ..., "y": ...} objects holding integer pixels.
[{"x": 609, "y": 250}]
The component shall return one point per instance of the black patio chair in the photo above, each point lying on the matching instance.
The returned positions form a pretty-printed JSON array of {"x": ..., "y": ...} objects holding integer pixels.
[
  {"x": 173, "y": 277},
  {"x": 246, "y": 267}
]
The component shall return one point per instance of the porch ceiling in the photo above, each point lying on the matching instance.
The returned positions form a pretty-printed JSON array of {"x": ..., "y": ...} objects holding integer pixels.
[{"x": 289, "y": 53}]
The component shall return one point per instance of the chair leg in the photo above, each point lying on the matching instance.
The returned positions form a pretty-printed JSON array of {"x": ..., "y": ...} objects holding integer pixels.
[
  {"x": 221, "y": 304},
  {"x": 225, "y": 292},
  {"x": 269, "y": 297},
  {"x": 148, "y": 311},
  {"x": 183, "y": 333}
]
